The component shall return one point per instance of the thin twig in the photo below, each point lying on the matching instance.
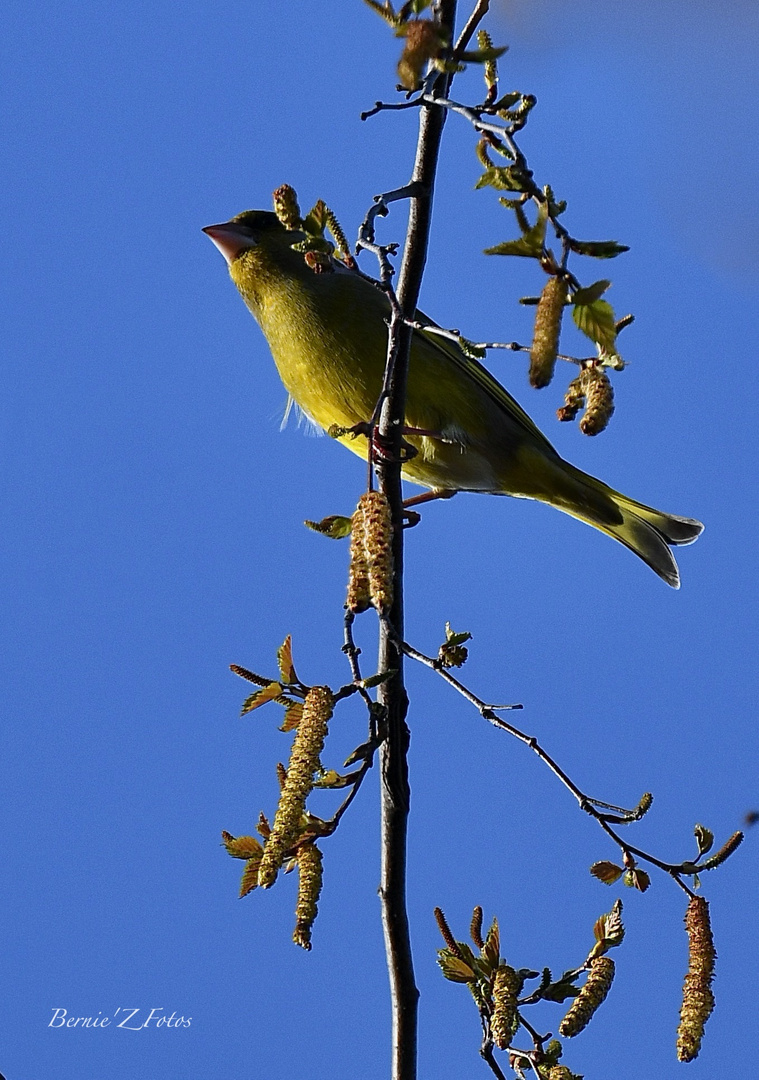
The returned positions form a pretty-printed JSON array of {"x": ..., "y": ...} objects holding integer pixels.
[{"x": 586, "y": 803}]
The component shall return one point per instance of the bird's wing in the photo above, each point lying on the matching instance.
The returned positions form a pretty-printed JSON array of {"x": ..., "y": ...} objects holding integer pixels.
[{"x": 482, "y": 377}]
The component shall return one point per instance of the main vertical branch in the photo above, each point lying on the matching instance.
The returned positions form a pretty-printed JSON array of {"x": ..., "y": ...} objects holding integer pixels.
[{"x": 392, "y": 694}]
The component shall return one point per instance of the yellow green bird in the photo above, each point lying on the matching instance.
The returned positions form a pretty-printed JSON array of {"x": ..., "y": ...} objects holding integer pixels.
[{"x": 328, "y": 335}]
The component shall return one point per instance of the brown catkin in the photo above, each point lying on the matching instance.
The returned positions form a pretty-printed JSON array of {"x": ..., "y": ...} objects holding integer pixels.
[
  {"x": 560, "y": 1072},
  {"x": 475, "y": 928},
  {"x": 445, "y": 930},
  {"x": 378, "y": 544},
  {"x": 505, "y": 1019},
  {"x": 593, "y": 993},
  {"x": 359, "y": 598},
  {"x": 574, "y": 399},
  {"x": 724, "y": 852},
  {"x": 304, "y": 760},
  {"x": 599, "y": 400},
  {"x": 698, "y": 999},
  {"x": 309, "y": 887},
  {"x": 286, "y": 207},
  {"x": 545, "y": 338}
]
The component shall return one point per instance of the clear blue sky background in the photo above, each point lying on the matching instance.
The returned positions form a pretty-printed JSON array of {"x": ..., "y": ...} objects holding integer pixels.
[{"x": 152, "y": 534}]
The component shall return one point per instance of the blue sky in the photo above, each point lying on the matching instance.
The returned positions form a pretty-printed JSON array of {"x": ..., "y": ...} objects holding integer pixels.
[{"x": 153, "y": 534}]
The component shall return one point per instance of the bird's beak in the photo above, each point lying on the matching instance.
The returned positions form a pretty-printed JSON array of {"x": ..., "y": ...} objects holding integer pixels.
[{"x": 230, "y": 238}]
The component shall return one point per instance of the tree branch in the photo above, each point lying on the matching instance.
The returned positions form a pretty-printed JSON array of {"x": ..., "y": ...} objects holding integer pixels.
[{"x": 392, "y": 694}]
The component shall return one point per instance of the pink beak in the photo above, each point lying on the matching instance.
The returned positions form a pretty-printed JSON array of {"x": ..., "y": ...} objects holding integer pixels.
[{"x": 230, "y": 239}]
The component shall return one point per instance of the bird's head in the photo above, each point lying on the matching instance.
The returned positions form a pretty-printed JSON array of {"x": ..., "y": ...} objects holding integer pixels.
[{"x": 259, "y": 254}]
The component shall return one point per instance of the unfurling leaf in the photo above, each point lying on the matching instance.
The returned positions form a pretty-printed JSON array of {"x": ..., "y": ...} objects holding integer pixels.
[
  {"x": 242, "y": 847},
  {"x": 608, "y": 930},
  {"x": 607, "y": 872},
  {"x": 453, "y": 968},
  {"x": 598, "y": 249},
  {"x": 285, "y": 661},
  {"x": 255, "y": 701},
  {"x": 293, "y": 714},
  {"x": 250, "y": 876},
  {"x": 336, "y": 527},
  {"x": 530, "y": 244},
  {"x": 704, "y": 839},
  {"x": 591, "y": 293},
  {"x": 333, "y": 779}
]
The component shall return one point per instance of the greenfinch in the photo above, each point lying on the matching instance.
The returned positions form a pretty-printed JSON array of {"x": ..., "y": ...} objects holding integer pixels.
[{"x": 328, "y": 335}]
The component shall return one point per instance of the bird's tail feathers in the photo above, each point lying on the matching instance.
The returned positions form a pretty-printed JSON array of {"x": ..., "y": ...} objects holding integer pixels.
[{"x": 642, "y": 529}]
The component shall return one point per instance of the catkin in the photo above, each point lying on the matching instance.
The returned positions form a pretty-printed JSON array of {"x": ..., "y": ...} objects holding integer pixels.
[
  {"x": 286, "y": 207},
  {"x": 599, "y": 400},
  {"x": 505, "y": 1019},
  {"x": 698, "y": 999},
  {"x": 475, "y": 928},
  {"x": 304, "y": 760},
  {"x": 370, "y": 581},
  {"x": 358, "y": 574},
  {"x": 592, "y": 995},
  {"x": 545, "y": 338},
  {"x": 574, "y": 399},
  {"x": 309, "y": 887},
  {"x": 724, "y": 852}
]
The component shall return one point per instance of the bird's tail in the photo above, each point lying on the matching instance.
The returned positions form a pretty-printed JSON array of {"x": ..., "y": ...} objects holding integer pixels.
[{"x": 647, "y": 532}]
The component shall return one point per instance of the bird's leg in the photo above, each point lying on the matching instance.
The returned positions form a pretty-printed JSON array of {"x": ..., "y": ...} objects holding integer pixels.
[
  {"x": 430, "y": 496},
  {"x": 412, "y": 518}
]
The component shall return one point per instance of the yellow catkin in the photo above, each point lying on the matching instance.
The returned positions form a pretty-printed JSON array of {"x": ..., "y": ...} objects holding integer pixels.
[
  {"x": 592, "y": 995},
  {"x": 304, "y": 760},
  {"x": 574, "y": 399},
  {"x": 359, "y": 598},
  {"x": 378, "y": 544},
  {"x": 545, "y": 338},
  {"x": 599, "y": 400},
  {"x": 484, "y": 41},
  {"x": 286, "y": 207},
  {"x": 309, "y": 888},
  {"x": 698, "y": 999},
  {"x": 560, "y": 1072},
  {"x": 505, "y": 1020}
]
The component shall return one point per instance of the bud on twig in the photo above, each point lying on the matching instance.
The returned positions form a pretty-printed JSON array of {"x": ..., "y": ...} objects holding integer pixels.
[
  {"x": 698, "y": 999},
  {"x": 591, "y": 996},
  {"x": 545, "y": 340},
  {"x": 304, "y": 761}
]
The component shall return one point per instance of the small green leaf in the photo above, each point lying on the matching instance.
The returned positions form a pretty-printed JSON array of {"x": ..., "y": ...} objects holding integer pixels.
[
  {"x": 641, "y": 880},
  {"x": 591, "y": 292},
  {"x": 293, "y": 714},
  {"x": 380, "y": 677},
  {"x": 609, "y": 930},
  {"x": 454, "y": 969},
  {"x": 336, "y": 527},
  {"x": 607, "y": 872},
  {"x": 491, "y": 950},
  {"x": 452, "y": 638},
  {"x": 531, "y": 242},
  {"x": 483, "y": 56},
  {"x": 597, "y": 321},
  {"x": 598, "y": 249},
  {"x": 470, "y": 349},
  {"x": 704, "y": 839},
  {"x": 504, "y": 178},
  {"x": 563, "y": 988},
  {"x": 332, "y": 779}
]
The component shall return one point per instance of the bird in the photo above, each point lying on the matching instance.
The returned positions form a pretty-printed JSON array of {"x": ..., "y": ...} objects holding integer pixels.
[{"x": 327, "y": 333}]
